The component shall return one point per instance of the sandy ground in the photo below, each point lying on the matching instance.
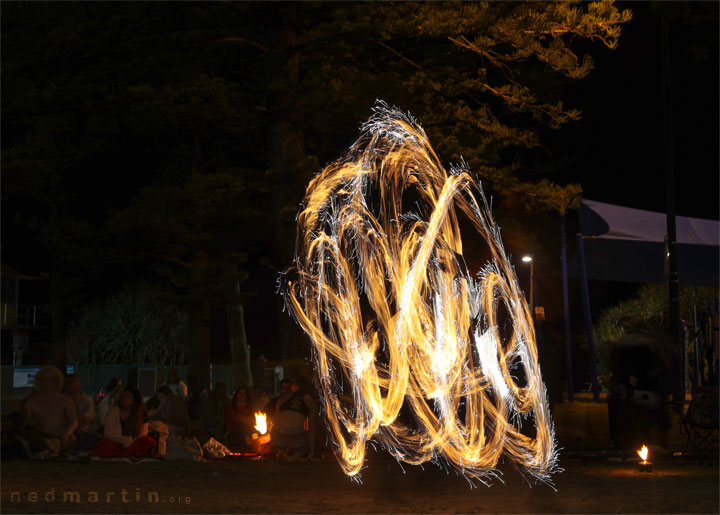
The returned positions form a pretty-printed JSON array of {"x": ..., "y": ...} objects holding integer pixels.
[{"x": 268, "y": 486}]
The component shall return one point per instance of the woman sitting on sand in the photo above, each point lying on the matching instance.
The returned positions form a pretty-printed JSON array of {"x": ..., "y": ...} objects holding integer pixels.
[
  {"x": 239, "y": 419},
  {"x": 126, "y": 429}
]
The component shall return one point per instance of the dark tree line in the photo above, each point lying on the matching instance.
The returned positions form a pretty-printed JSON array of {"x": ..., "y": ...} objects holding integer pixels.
[{"x": 172, "y": 142}]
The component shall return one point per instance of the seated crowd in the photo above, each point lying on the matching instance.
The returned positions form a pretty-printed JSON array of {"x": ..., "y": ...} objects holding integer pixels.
[{"x": 118, "y": 424}]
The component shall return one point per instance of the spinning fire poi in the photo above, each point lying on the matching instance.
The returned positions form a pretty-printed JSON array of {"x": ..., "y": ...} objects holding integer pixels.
[{"x": 412, "y": 351}]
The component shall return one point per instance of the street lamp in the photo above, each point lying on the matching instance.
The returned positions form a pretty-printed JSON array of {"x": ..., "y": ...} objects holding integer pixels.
[{"x": 529, "y": 259}]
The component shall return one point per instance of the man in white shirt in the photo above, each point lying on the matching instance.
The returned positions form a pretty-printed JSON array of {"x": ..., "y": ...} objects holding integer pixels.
[
  {"x": 85, "y": 411},
  {"x": 84, "y": 406}
]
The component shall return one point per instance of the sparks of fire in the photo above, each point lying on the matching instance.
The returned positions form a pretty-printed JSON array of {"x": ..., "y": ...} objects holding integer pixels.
[
  {"x": 260, "y": 423},
  {"x": 643, "y": 453},
  {"x": 410, "y": 349}
]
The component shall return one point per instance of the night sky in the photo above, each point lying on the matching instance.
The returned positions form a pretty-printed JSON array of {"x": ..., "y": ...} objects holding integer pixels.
[{"x": 620, "y": 140}]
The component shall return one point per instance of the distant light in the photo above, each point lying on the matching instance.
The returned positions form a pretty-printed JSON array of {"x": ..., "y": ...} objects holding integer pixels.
[{"x": 527, "y": 259}]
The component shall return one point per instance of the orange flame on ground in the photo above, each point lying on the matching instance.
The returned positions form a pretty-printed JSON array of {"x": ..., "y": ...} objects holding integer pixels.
[
  {"x": 260, "y": 422},
  {"x": 397, "y": 320},
  {"x": 643, "y": 453}
]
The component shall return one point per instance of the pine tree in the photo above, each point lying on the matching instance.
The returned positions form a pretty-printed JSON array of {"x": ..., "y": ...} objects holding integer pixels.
[{"x": 485, "y": 80}]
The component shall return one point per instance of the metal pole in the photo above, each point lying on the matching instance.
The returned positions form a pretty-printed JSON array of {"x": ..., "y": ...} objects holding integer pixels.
[
  {"x": 683, "y": 330},
  {"x": 539, "y": 336},
  {"x": 715, "y": 339},
  {"x": 532, "y": 284},
  {"x": 588, "y": 317},
  {"x": 698, "y": 375},
  {"x": 566, "y": 309},
  {"x": 673, "y": 300},
  {"x": 709, "y": 338}
]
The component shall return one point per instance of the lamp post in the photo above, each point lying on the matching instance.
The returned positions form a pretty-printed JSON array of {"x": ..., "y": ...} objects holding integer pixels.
[{"x": 529, "y": 259}]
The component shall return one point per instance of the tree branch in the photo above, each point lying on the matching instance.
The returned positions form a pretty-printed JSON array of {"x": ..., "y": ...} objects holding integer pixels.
[
  {"x": 171, "y": 259},
  {"x": 398, "y": 54},
  {"x": 237, "y": 39}
]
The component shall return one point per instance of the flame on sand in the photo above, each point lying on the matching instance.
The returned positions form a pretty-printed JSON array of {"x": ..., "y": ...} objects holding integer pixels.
[
  {"x": 407, "y": 344},
  {"x": 260, "y": 423},
  {"x": 643, "y": 453}
]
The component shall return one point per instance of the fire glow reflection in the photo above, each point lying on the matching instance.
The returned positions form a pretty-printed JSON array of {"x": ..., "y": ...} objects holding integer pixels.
[{"x": 411, "y": 350}]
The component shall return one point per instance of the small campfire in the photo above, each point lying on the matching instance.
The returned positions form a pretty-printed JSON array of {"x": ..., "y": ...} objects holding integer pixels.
[
  {"x": 644, "y": 465},
  {"x": 259, "y": 441},
  {"x": 260, "y": 422}
]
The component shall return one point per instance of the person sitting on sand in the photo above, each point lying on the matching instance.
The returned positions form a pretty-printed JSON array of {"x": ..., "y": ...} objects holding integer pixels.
[
  {"x": 84, "y": 409},
  {"x": 112, "y": 393},
  {"x": 126, "y": 429},
  {"x": 285, "y": 388},
  {"x": 213, "y": 412},
  {"x": 49, "y": 418},
  {"x": 196, "y": 396},
  {"x": 289, "y": 434},
  {"x": 239, "y": 419},
  {"x": 176, "y": 385},
  {"x": 173, "y": 411}
]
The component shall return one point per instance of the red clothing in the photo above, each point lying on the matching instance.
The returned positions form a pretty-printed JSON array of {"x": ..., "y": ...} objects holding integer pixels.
[
  {"x": 234, "y": 414},
  {"x": 138, "y": 449}
]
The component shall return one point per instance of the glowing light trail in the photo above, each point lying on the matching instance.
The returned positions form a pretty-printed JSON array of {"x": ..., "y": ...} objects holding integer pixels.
[{"x": 411, "y": 350}]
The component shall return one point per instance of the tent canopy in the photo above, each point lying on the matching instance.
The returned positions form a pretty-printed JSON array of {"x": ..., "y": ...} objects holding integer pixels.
[
  {"x": 625, "y": 223},
  {"x": 629, "y": 245}
]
